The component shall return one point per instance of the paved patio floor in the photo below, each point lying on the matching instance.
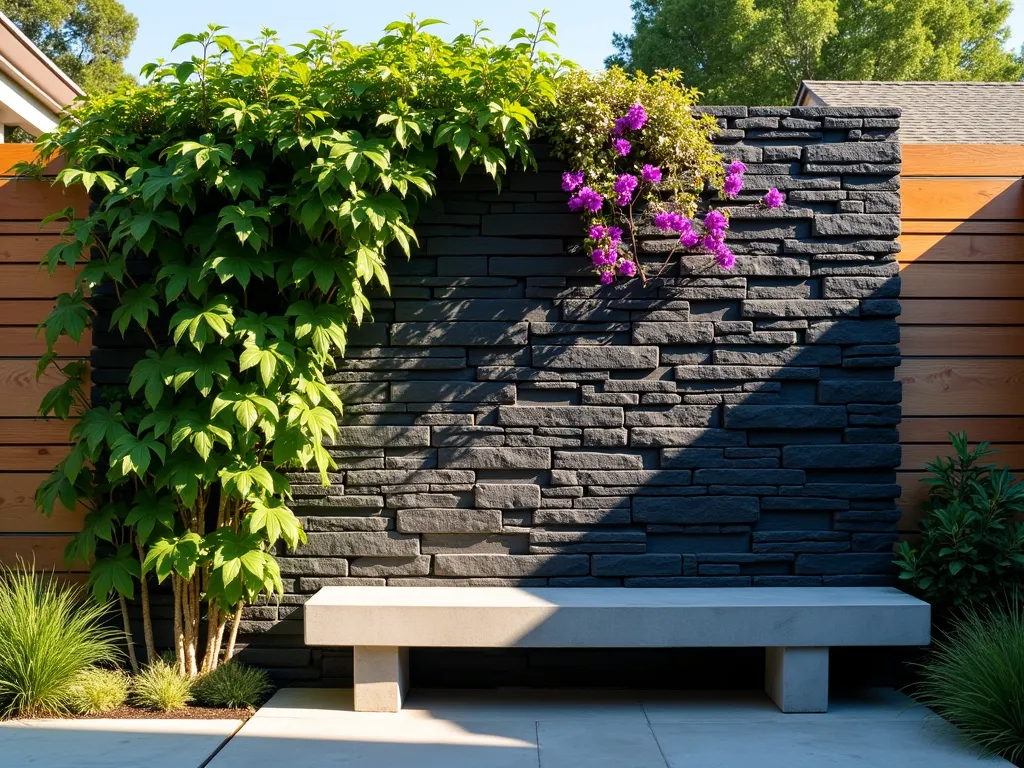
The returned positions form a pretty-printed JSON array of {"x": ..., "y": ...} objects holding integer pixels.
[
  {"x": 105, "y": 743},
  {"x": 593, "y": 729}
]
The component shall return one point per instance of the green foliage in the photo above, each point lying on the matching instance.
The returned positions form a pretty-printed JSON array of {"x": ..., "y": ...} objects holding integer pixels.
[
  {"x": 675, "y": 139},
  {"x": 758, "y": 51},
  {"x": 88, "y": 39},
  {"x": 263, "y": 190},
  {"x": 162, "y": 687},
  {"x": 95, "y": 691},
  {"x": 974, "y": 678},
  {"x": 232, "y": 685},
  {"x": 972, "y": 538},
  {"x": 48, "y": 636}
]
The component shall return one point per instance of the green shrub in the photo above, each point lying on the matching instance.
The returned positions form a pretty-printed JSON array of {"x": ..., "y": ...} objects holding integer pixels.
[
  {"x": 975, "y": 678},
  {"x": 96, "y": 690},
  {"x": 972, "y": 542},
  {"x": 232, "y": 685},
  {"x": 49, "y": 634},
  {"x": 160, "y": 686}
]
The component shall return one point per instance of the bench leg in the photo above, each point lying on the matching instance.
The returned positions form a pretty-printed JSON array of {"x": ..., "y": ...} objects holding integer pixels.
[
  {"x": 797, "y": 678},
  {"x": 380, "y": 677}
]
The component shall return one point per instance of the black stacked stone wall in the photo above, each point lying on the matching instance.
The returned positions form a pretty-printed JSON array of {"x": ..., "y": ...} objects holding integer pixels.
[{"x": 509, "y": 421}]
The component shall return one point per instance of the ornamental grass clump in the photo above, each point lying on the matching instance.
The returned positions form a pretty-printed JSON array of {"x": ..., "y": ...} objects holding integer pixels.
[
  {"x": 975, "y": 678},
  {"x": 232, "y": 685},
  {"x": 50, "y": 633},
  {"x": 161, "y": 687},
  {"x": 95, "y": 691}
]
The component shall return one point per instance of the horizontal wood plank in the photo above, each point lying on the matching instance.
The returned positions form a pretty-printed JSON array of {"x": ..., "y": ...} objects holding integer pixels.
[
  {"x": 936, "y": 430},
  {"x": 936, "y": 227},
  {"x": 962, "y": 160},
  {"x": 26, "y": 249},
  {"x": 30, "y": 200},
  {"x": 18, "y": 513},
  {"x": 12, "y": 154},
  {"x": 956, "y": 312},
  {"x": 28, "y": 281},
  {"x": 917, "y": 455},
  {"x": 26, "y": 342},
  {"x": 37, "y": 431},
  {"x": 955, "y": 281},
  {"x": 46, "y": 551},
  {"x": 961, "y": 248},
  {"x": 24, "y": 311},
  {"x": 962, "y": 199},
  {"x": 31, "y": 458},
  {"x": 962, "y": 386},
  {"x": 20, "y": 391},
  {"x": 962, "y": 341}
]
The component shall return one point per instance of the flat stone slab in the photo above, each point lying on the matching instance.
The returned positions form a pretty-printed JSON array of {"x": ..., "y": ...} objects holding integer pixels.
[
  {"x": 316, "y": 728},
  {"x": 500, "y": 617},
  {"x": 104, "y": 743}
]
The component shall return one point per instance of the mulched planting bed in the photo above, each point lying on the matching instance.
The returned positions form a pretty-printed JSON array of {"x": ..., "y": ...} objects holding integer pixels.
[{"x": 128, "y": 712}]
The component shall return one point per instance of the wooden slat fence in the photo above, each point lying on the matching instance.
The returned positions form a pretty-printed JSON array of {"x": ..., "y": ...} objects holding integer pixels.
[
  {"x": 962, "y": 327},
  {"x": 29, "y": 446}
]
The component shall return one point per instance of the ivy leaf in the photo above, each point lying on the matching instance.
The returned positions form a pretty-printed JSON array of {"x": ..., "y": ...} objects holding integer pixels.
[
  {"x": 152, "y": 374},
  {"x": 178, "y": 555},
  {"x": 275, "y": 521},
  {"x": 246, "y": 406},
  {"x": 116, "y": 573},
  {"x": 179, "y": 276},
  {"x": 69, "y": 317},
  {"x": 269, "y": 358},
  {"x": 202, "y": 435},
  {"x": 324, "y": 324},
  {"x": 202, "y": 369},
  {"x": 98, "y": 425},
  {"x": 182, "y": 475},
  {"x": 152, "y": 511},
  {"x": 248, "y": 222},
  {"x": 239, "y": 479},
  {"x": 204, "y": 324},
  {"x": 130, "y": 454},
  {"x": 136, "y": 304}
]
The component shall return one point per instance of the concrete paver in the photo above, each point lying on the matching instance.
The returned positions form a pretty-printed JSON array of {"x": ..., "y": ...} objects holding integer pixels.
[
  {"x": 104, "y": 743},
  {"x": 595, "y": 729}
]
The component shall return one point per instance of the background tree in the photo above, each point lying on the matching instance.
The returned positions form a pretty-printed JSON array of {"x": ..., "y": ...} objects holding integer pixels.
[
  {"x": 88, "y": 39},
  {"x": 758, "y": 51}
]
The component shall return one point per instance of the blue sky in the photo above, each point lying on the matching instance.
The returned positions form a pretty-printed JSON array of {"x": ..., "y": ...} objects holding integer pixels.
[{"x": 584, "y": 26}]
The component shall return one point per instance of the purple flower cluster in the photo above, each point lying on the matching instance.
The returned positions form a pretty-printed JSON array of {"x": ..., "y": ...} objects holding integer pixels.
[
  {"x": 733, "y": 184},
  {"x": 650, "y": 174},
  {"x": 624, "y": 188},
  {"x": 622, "y": 147},
  {"x": 572, "y": 181},
  {"x": 670, "y": 221},
  {"x": 586, "y": 200},
  {"x": 773, "y": 198}
]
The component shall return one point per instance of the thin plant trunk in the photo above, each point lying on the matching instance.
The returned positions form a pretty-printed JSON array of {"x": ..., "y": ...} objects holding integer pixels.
[
  {"x": 128, "y": 633},
  {"x": 179, "y": 637},
  {"x": 147, "y": 616},
  {"x": 212, "y": 620},
  {"x": 234, "y": 632}
]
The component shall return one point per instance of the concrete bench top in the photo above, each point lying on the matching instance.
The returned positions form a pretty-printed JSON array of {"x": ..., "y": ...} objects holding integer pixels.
[{"x": 480, "y": 617}]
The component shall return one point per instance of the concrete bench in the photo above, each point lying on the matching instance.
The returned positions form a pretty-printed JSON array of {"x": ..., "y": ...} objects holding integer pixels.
[{"x": 795, "y": 625}]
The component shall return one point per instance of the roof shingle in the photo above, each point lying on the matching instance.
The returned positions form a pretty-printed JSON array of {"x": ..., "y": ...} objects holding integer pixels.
[{"x": 933, "y": 112}]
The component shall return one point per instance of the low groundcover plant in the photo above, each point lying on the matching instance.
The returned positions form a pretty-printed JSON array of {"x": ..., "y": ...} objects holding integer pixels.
[
  {"x": 232, "y": 685},
  {"x": 95, "y": 691}
]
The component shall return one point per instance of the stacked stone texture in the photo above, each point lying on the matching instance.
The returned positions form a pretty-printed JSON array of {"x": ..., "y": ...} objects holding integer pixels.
[{"x": 509, "y": 421}]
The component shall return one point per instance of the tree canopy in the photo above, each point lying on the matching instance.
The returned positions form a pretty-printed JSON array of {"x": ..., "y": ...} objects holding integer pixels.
[
  {"x": 758, "y": 51},
  {"x": 88, "y": 39}
]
